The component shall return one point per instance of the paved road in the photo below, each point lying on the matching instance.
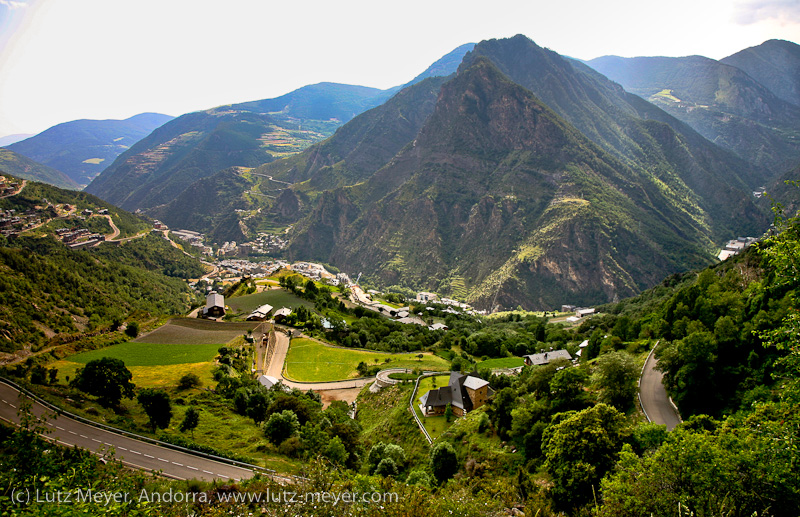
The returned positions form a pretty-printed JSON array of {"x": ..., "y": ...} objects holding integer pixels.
[
  {"x": 132, "y": 452},
  {"x": 654, "y": 398}
]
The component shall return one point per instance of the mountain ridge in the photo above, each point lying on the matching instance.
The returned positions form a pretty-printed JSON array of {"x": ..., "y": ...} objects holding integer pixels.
[{"x": 83, "y": 148}]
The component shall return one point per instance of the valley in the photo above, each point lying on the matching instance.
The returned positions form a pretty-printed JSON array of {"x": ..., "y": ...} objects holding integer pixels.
[{"x": 517, "y": 284}]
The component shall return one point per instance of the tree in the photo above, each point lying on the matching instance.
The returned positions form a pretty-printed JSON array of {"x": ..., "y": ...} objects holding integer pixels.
[
  {"x": 500, "y": 410},
  {"x": 616, "y": 376},
  {"x": 336, "y": 451},
  {"x": 448, "y": 413},
  {"x": 281, "y": 426},
  {"x": 188, "y": 381},
  {"x": 132, "y": 329},
  {"x": 257, "y": 406},
  {"x": 157, "y": 406},
  {"x": 444, "y": 461},
  {"x": 580, "y": 447},
  {"x": 107, "y": 379},
  {"x": 39, "y": 375},
  {"x": 190, "y": 421},
  {"x": 381, "y": 451},
  {"x": 567, "y": 389},
  {"x": 387, "y": 467}
]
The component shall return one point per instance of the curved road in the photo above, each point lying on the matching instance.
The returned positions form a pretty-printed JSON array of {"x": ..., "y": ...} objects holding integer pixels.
[
  {"x": 655, "y": 402},
  {"x": 132, "y": 452}
]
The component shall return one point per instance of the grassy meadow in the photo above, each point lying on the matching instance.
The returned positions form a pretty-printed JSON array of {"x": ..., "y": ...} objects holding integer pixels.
[
  {"x": 501, "y": 362},
  {"x": 311, "y": 361},
  {"x": 160, "y": 358}
]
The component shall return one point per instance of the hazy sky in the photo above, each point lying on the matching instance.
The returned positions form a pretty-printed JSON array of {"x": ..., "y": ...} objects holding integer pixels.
[{"x": 63, "y": 60}]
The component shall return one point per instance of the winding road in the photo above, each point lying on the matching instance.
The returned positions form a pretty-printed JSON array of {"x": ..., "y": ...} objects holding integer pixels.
[
  {"x": 655, "y": 402},
  {"x": 131, "y": 451}
]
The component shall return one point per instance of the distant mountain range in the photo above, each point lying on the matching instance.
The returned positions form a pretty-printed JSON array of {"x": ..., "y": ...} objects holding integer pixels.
[
  {"x": 81, "y": 149},
  {"x": 197, "y": 145},
  {"x": 22, "y": 167},
  {"x": 12, "y": 139},
  {"x": 505, "y": 174},
  {"x": 722, "y": 102},
  {"x": 526, "y": 179},
  {"x": 775, "y": 64}
]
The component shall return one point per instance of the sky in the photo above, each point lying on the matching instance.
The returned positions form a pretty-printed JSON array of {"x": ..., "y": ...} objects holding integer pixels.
[{"x": 63, "y": 60}]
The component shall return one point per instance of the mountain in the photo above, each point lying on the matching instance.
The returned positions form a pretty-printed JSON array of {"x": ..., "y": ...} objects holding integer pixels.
[
  {"x": 718, "y": 100},
  {"x": 500, "y": 194},
  {"x": 196, "y": 145},
  {"x": 81, "y": 149},
  {"x": 351, "y": 155},
  {"x": 445, "y": 65},
  {"x": 12, "y": 139},
  {"x": 17, "y": 165},
  {"x": 775, "y": 64},
  {"x": 634, "y": 130}
]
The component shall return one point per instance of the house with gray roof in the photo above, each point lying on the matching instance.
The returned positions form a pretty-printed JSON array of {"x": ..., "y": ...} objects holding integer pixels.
[
  {"x": 463, "y": 393},
  {"x": 546, "y": 357},
  {"x": 215, "y": 305}
]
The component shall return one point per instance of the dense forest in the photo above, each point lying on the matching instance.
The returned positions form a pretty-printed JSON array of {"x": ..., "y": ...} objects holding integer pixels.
[{"x": 51, "y": 292}]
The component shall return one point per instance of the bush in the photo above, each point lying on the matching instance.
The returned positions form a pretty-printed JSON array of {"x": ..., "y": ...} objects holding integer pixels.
[
  {"x": 444, "y": 462},
  {"x": 189, "y": 381},
  {"x": 281, "y": 426},
  {"x": 132, "y": 329}
]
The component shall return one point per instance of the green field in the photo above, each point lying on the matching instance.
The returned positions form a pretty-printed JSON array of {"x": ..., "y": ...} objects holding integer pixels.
[
  {"x": 276, "y": 297},
  {"x": 195, "y": 331},
  {"x": 501, "y": 362},
  {"x": 311, "y": 361},
  {"x": 162, "y": 357},
  {"x": 151, "y": 354}
]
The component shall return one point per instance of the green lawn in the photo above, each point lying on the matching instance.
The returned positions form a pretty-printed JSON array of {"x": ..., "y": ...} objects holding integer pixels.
[
  {"x": 501, "y": 362},
  {"x": 311, "y": 361},
  {"x": 276, "y": 297}
]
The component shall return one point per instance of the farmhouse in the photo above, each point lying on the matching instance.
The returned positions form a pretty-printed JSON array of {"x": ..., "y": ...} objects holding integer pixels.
[
  {"x": 261, "y": 313},
  {"x": 546, "y": 357},
  {"x": 215, "y": 305},
  {"x": 464, "y": 393},
  {"x": 281, "y": 314}
]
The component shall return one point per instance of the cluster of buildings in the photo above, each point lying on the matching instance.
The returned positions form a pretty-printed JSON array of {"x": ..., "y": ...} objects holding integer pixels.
[
  {"x": 241, "y": 268},
  {"x": 314, "y": 271},
  {"x": 267, "y": 242},
  {"x": 735, "y": 246},
  {"x": 580, "y": 312},
  {"x": 12, "y": 223},
  {"x": 79, "y": 237},
  {"x": 193, "y": 238},
  {"x": 263, "y": 244},
  {"x": 8, "y": 187}
]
